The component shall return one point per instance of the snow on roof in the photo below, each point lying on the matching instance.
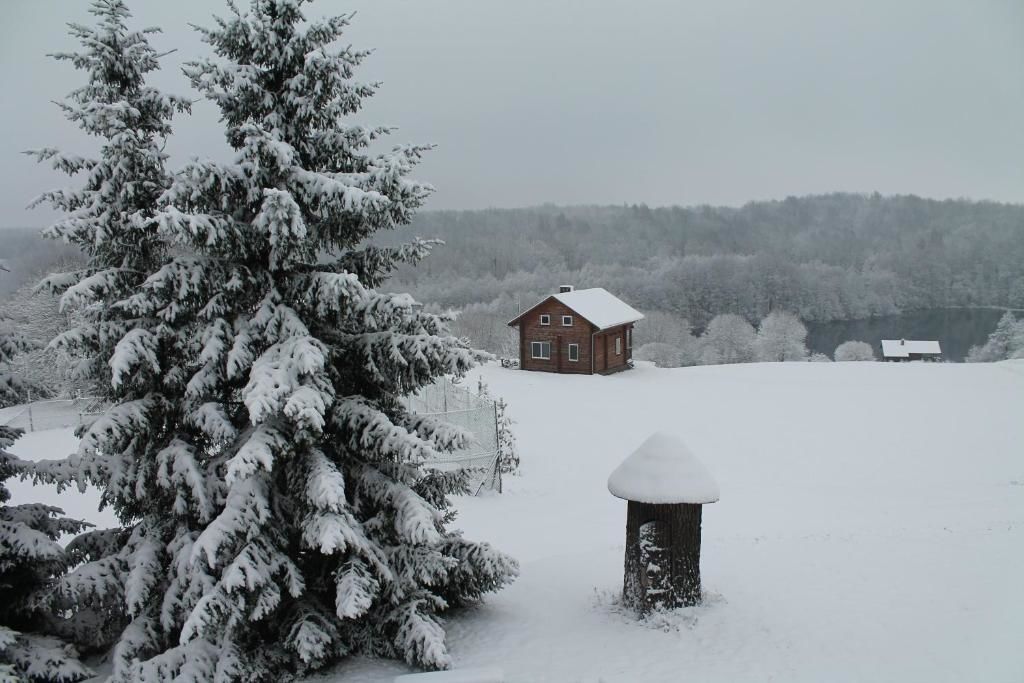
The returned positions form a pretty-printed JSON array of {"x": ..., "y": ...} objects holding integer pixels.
[
  {"x": 902, "y": 348},
  {"x": 663, "y": 470},
  {"x": 597, "y": 305},
  {"x": 600, "y": 307}
]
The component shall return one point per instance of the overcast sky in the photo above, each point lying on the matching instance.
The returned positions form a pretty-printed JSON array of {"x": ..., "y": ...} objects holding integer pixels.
[{"x": 662, "y": 102}]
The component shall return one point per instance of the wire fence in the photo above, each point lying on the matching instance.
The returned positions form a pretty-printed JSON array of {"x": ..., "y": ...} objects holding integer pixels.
[
  {"x": 443, "y": 400},
  {"x": 39, "y": 416},
  {"x": 459, "y": 406}
]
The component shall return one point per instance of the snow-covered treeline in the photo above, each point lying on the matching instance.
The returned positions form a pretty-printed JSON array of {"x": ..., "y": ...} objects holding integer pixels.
[
  {"x": 669, "y": 340},
  {"x": 830, "y": 257},
  {"x": 1005, "y": 342},
  {"x": 275, "y": 512}
]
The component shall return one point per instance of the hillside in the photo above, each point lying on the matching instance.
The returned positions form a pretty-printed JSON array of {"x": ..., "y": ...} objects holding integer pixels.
[
  {"x": 824, "y": 257},
  {"x": 871, "y": 526}
]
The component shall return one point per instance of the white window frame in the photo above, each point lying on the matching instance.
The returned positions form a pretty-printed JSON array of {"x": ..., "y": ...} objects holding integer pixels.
[
  {"x": 577, "y": 349},
  {"x": 545, "y": 319},
  {"x": 618, "y": 346},
  {"x": 566, "y": 324},
  {"x": 629, "y": 338},
  {"x": 542, "y": 345}
]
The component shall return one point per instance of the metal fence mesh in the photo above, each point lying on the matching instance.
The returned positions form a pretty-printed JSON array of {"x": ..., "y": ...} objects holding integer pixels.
[
  {"x": 443, "y": 400},
  {"x": 57, "y": 414},
  {"x": 458, "y": 406}
]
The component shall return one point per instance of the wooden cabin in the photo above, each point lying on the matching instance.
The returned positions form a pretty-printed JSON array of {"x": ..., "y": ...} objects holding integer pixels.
[
  {"x": 910, "y": 349},
  {"x": 577, "y": 331}
]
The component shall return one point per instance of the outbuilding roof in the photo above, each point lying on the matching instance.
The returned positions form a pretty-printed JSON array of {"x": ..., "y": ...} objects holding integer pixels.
[
  {"x": 902, "y": 348},
  {"x": 663, "y": 471},
  {"x": 596, "y": 305}
]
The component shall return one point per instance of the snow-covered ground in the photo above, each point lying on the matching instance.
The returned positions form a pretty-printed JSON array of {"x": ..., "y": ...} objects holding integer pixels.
[{"x": 870, "y": 527}]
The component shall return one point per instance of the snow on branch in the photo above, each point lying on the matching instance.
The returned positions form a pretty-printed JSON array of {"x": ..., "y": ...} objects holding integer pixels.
[{"x": 137, "y": 348}]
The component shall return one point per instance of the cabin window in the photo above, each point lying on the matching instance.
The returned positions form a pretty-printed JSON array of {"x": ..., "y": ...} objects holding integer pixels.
[
  {"x": 540, "y": 350},
  {"x": 545, "y": 319},
  {"x": 618, "y": 346},
  {"x": 629, "y": 337},
  {"x": 574, "y": 352},
  {"x": 566, "y": 321}
]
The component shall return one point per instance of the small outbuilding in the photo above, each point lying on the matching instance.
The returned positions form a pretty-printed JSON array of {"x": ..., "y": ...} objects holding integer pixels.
[
  {"x": 665, "y": 487},
  {"x": 910, "y": 349},
  {"x": 578, "y": 331}
]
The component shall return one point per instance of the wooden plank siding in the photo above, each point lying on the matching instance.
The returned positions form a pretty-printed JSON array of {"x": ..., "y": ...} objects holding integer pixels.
[
  {"x": 558, "y": 335},
  {"x": 606, "y": 360},
  {"x": 581, "y": 332}
]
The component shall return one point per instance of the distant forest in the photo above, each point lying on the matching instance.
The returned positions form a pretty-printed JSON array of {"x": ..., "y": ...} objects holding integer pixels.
[
  {"x": 25, "y": 256},
  {"x": 830, "y": 257}
]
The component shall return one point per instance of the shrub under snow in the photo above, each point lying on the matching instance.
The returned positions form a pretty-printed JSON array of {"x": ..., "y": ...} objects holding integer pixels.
[{"x": 854, "y": 350}]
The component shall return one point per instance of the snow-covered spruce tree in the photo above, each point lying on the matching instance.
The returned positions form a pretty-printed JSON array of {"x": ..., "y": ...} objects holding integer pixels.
[
  {"x": 508, "y": 450},
  {"x": 109, "y": 216},
  {"x": 30, "y": 561},
  {"x": 280, "y": 516}
]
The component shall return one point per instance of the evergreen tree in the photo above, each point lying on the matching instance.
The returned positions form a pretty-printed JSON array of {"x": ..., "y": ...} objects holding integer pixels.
[
  {"x": 109, "y": 217},
  {"x": 277, "y": 514},
  {"x": 508, "y": 450},
  {"x": 30, "y": 561}
]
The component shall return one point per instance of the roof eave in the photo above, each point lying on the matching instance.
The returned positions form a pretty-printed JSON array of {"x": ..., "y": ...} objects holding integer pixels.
[
  {"x": 515, "y": 320},
  {"x": 624, "y": 322}
]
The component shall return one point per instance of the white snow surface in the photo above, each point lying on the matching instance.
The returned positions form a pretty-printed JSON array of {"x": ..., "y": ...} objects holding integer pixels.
[
  {"x": 662, "y": 471},
  {"x": 488, "y": 675},
  {"x": 901, "y": 348},
  {"x": 854, "y": 543}
]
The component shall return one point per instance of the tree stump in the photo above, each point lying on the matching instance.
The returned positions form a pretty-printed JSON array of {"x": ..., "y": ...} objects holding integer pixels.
[
  {"x": 662, "y": 563},
  {"x": 665, "y": 487}
]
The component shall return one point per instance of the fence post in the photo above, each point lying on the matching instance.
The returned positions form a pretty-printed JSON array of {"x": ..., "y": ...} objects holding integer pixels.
[{"x": 497, "y": 446}]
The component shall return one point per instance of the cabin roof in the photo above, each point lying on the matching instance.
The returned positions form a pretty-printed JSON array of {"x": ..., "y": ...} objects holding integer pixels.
[
  {"x": 596, "y": 305},
  {"x": 902, "y": 348},
  {"x": 663, "y": 471}
]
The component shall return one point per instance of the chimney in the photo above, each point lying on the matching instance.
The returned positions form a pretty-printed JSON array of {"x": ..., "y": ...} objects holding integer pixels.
[
  {"x": 902, "y": 342},
  {"x": 565, "y": 289}
]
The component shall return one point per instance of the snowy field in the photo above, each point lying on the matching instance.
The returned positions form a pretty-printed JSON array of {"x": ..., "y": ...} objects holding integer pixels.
[{"x": 871, "y": 527}]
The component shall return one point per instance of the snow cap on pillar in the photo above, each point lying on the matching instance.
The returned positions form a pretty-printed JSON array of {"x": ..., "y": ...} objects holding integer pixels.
[{"x": 663, "y": 471}]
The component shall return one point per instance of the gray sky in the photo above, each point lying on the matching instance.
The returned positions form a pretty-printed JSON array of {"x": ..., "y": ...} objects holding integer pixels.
[{"x": 663, "y": 102}]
